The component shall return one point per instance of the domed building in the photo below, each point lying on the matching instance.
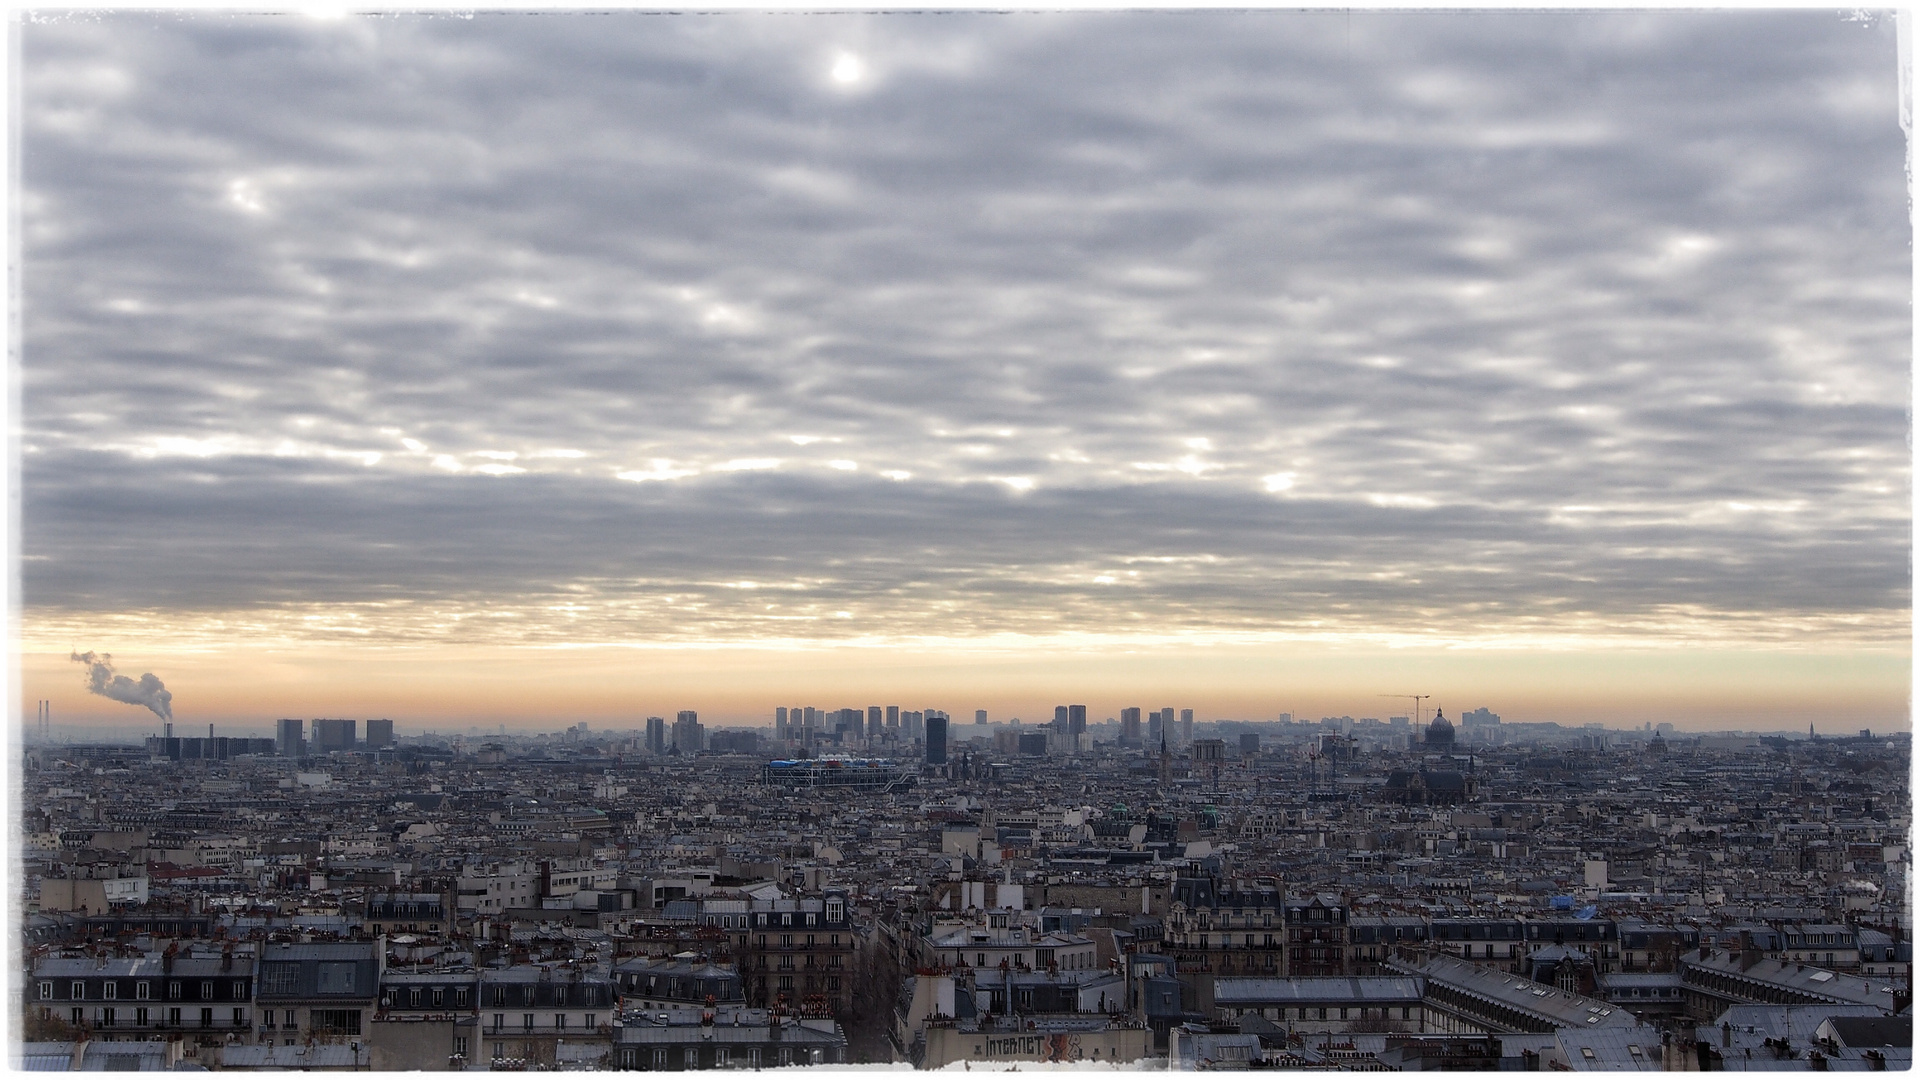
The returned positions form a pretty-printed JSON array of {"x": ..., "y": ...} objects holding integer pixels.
[{"x": 1440, "y": 732}]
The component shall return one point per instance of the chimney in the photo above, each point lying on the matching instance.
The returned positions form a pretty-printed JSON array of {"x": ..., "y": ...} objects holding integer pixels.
[{"x": 1749, "y": 952}]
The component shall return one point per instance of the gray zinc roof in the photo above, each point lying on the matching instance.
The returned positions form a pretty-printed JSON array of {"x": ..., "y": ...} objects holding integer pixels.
[{"x": 1249, "y": 992}]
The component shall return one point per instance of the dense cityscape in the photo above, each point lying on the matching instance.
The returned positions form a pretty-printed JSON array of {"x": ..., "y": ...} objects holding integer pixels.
[{"x": 888, "y": 885}]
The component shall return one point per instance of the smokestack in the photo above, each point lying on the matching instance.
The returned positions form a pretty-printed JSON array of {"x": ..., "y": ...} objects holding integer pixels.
[
  {"x": 209, "y": 731},
  {"x": 169, "y": 729}
]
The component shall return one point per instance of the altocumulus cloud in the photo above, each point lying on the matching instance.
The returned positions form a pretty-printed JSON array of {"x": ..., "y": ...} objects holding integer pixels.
[{"x": 564, "y": 328}]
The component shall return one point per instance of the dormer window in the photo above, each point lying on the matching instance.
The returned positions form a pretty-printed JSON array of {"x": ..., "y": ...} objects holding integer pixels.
[{"x": 836, "y": 910}]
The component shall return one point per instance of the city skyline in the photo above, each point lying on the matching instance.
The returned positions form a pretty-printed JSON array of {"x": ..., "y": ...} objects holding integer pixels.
[{"x": 539, "y": 369}]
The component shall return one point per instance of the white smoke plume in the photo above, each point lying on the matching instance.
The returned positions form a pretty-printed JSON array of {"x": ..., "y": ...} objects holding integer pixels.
[{"x": 149, "y": 691}]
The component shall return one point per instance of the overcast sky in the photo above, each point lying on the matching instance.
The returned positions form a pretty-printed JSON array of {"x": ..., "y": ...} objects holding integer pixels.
[{"x": 1265, "y": 329}]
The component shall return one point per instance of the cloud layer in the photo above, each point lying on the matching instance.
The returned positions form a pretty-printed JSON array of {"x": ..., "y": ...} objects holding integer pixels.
[{"x": 551, "y": 329}]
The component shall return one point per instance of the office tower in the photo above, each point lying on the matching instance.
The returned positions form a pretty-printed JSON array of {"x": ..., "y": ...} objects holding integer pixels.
[
  {"x": 780, "y": 724},
  {"x": 876, "y": 716},
  {"x": 812, "y": 722},
  {"x": 291, "y": 741},
  {"x": 1060, "y": 719},
  {"x": 979, "y": 717},
  {"x": 687, "y": 735},
  {"x": 332, "y": 735},
  {"x": 1186, "y": 726},
  {"x": 1155, "y": 725},
  {"x": 893, "y": 718},
  {"x": 1249, "y": 743},
  {"x": 379, "y": 734},
  {"x": 656, "y": 735},
  {"x": 1076, "y": 720},
  {"x": 1130, "y": 725},
  {"x": 912, "y": 723},
  {"x": 936, "y": 740}
]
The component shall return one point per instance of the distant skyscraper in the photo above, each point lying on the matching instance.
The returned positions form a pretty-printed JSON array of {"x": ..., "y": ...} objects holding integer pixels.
[
  {"x": 979, "y": 716},
  {"x": 936, "y": 740},
  {"x": 292, "y": 739},
  {"x": 687, "y": 736},
  {"x": 893, "y": 718},
  {"x": 1060, "y": 719},
  {"x": 379, "y": 734},
  {"x": 1076, "y": 720},
  {"x": 876, "y": 716},
  {"x": 1130, "y": 725},
  {"x": 656, "y": 735},
  {"x": 1186, "y": 726},
  {"x": 331, "y": 735},
  {"x": 780, "y": 724},
  {"x": 1156, "y": 723}
]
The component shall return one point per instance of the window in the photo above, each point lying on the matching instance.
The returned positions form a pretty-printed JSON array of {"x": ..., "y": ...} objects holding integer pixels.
[
  {"x": 173, "y": 988},
  {"x": 559, "y": 1021},
  {"x": 439, "y": 996},
  {"x": 206, "y": 990},
  {"x": 593, "y": 1022},
  {"x": 206, "y": 1018},
  {"x": 142, "y": 990},
  {"x": 173, "y": 1017},
  {"x": 660, "y": 1058},
  {"x": 499, "y": 995},
  {"x": 337, "y": 977},
  {"x": 720, "y": 1057},
  {"x": 499, "y": 1050},
  {"x": 526, "y": 1021},
  {"x": 413, "y": 998},
  {"x": 46, "y": 991},
  {"x": 79, "y": 1017},
  {"x": 106, "y": 1017},
  {"x": 140, "y": 1017},
  {"x": 559, "y": 995},
  {"x": 460, "y": 1046},
  {"x": 753, "y": 1057},
  {"x": 499, "y": 1021},
  {"x": 460, "y": 997},
  {"x": 336, "y": 1021},
  {"x": 77, "y": 992},
  {"x": 109, "y": 990},
  {"x": 239, "y": 1016},
  {"x": 266, "y": 1018}
]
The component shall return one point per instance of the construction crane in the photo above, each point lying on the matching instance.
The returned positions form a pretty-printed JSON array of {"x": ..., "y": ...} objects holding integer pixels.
[{"x": 1417, "y": 699}]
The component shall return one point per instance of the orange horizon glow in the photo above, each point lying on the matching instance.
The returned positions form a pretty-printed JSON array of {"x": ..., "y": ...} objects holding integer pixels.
[{"x": 540, "y": 689}]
